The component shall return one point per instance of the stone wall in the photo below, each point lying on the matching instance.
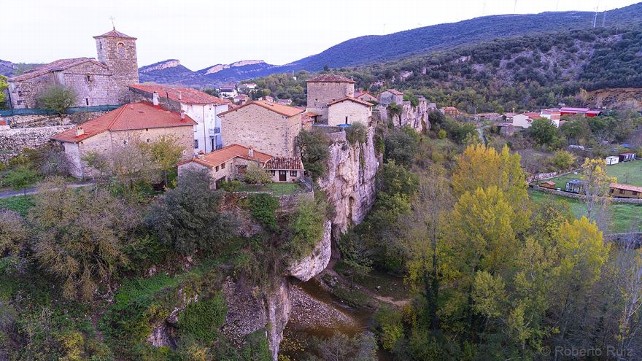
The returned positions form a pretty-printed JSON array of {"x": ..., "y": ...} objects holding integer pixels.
[
  {"x": 262, "y": 129},
  {"x": 13, "y": 141}
]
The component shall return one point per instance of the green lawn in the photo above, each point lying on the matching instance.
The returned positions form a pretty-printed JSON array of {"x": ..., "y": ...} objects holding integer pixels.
[
  {"x": 623, "y": 215},
  {"x": 627, "y": 172},
  {"x": 276, "y": 189},
  {"x": 20, "y": 204}
]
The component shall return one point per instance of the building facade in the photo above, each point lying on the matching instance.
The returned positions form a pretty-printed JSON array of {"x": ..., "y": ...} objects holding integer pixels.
[
  {"x": 95, "y": 82},
  {"x": 199, "y": 106},
  {"x": 112, "y": 132},
  {"x": 267, "y": 127},
  {"x": 348, "y": 111},
  {"x": 325, "y": 89}
]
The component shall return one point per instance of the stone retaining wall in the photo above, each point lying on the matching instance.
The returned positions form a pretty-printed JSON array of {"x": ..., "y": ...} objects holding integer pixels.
[{"x": 13, "y": 141}]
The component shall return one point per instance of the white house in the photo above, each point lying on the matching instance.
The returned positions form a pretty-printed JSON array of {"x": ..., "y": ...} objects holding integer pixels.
[
  {"x": 612, "y": 159},
  {"x": 199, "y": 106},
  {"x": 349, "y": 110}
]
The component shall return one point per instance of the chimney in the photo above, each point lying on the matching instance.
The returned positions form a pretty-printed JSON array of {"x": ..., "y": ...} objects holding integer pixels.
[
  {"x": 180, "y": 95},
  {"x": 79, "y": 131},
  {"x": 182, "y": 114},
  {"x": 250, "y": 153},
  {"x": 155, "y": 98}
]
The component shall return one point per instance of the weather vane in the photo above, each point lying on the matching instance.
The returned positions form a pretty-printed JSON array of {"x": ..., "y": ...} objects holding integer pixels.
[{"x": 112, "y": 22}]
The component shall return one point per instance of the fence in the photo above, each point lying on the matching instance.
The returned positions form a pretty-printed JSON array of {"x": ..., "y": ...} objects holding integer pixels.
[{"x": 33, "y": 111}]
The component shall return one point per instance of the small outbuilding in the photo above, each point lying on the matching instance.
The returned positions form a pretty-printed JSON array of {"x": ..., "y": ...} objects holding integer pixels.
[
  {"x": 626, "y": 157},
  {"x": 612, "y": 159},
  {"x": 575, "y": 186}
]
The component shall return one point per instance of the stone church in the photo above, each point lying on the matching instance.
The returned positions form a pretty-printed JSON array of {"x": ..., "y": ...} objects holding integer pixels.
[{"x": 95, "y": 82}]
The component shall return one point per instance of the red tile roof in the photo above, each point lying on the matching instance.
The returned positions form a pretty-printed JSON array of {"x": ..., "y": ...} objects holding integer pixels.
[
  {"x": 187, "y": 95},
  {"x": 330, "y": 78},
  {"x": 626, "y": 187},
  {"x": 286, "y": 110},
  {"x": 352, "y": 100},
  {"x": 395, "y": 91},
  {"x": 132, "y": 116},
  {"x": 57, "y": 65},
  {"x": 284, "y": 163},
  {"x": 229, "y": 152},
  {"x": 114, "y": 34}
]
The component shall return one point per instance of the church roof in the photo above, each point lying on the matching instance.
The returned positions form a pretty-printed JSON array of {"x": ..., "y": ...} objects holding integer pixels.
[
  {"x": 114, "y": 34},
  {"x": 132, "y": 116},
  {"x": 58, "y": 65},
  {"x": 286, "y": 110},
  {"x": 187, "y": 95},
  {"x": 330, "y": 78}
]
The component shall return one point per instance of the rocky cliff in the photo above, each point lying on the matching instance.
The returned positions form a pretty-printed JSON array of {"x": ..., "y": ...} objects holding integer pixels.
[
  {"x": 350, "y": 180},
  {"x": 415, "y": 117}
]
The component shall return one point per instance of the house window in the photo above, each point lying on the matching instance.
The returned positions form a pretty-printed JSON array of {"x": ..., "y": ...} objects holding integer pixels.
[
  {"x": 293, "y": 173},
  {"x": 88, "y": 77},
  {"x": 223, "y": 166},
  {"x": 634, "y": 193},
  {"x": 147, "y": 140},
  {"x": 216, "y": 169},
  {"x": 272, "y": 173},
  {"x": 125, "y": 142},
  {"x": 87, "y": 101},
  {"x": 195, "y": 143},
  {"x": 621, "y": 191}
]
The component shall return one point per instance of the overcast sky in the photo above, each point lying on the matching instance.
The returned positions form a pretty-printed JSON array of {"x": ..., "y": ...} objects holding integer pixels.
[{"x": 201, "y": 33}]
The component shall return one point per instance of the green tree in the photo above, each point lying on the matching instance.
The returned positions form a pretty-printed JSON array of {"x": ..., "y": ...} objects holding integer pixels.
[
  {"x": 79, "y": 236},
  {"x": 314, "y": 151},
  {"x": 14, "y": 237},
  {"x": 563, "y": 160},
  {"x": 56, "y": 98},
  {"x": 543, "y": 131},
  {"x": 3, "y": 87},
  {"x": 165, "y": 152},
  {"x": 401, "y": 146},
  {"x": 188, "y": 218},
  {"x": 596, "y": 190},
  {"x": 254, "y": 174}
]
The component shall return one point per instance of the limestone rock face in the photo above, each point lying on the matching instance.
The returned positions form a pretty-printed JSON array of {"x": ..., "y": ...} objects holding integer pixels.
[
  {"x": 350, "y": 181},
  {"x": 414, "y": 117},
  {"x": 317, "y": 261}
]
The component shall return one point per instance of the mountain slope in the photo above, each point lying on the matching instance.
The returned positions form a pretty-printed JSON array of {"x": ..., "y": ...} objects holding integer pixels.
[{"x": 370, "y": 49}]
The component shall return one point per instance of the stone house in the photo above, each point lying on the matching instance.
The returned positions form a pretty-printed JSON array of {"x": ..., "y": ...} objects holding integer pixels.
[
  {"x": 227, "y": 163},
  {"x": 267, "y": 127},
  {"x": 366, "y": 97},
  {"x": 325, "y": 89},
  {"x": 95, "y": 82},
  {"x": 113, "y": 131},
  {"x": 231, "y": 162},
  {"x": 348, "y": 111},
  {"x": 390, "y": 96},
  {"x": 199, "y": 106},
  {"x": 228, "y": 90}
]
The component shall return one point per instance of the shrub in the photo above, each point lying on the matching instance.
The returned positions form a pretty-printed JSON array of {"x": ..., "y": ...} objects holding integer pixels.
[
  {"x": 314, "y": 152},
  {"x": 231, "y": 186},
  {"x": 56, "y": 98},
  {"x": 201, "y": 320},
  {"x": 357, "y": 133},
  {"x": 263, "y": 208},
  {"x": 306, "y": 227},
  {"x": 256, "y": 175}
]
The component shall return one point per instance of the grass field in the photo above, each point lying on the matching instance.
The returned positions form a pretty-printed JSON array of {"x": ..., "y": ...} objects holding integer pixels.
[
  {"x": 623, "y": 216},
  {"x": 20, "y": 204},
  {"x": 626, "y": 173}
]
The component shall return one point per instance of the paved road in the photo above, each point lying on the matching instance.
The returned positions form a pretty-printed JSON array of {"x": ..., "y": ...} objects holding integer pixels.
[{"x": 8, "y": 193}]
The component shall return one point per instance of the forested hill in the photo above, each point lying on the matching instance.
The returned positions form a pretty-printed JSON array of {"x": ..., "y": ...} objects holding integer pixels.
[
  {"x": 517, "y": 73},
  {"x": 370, "y": 49}
]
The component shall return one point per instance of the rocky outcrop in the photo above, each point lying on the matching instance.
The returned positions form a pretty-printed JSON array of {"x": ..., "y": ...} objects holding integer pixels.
[
  {"x": 350, "y": 181},
  {"x": 317, "y": 261},
  {"x": 414, "y": 117}
]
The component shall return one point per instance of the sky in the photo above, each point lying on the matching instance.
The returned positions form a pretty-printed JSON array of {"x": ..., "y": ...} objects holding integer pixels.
[{"x": 201, "y": 33}]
